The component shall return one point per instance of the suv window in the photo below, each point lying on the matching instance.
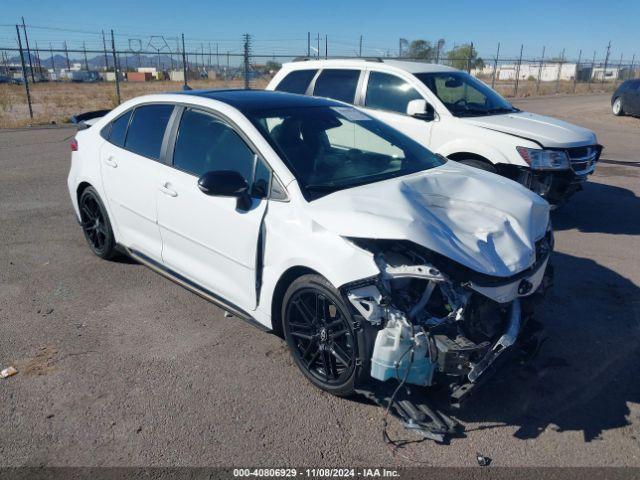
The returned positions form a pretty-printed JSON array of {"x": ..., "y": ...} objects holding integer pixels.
[
  {"x": 388, "y": 92},
  {"x": 146, "y": 131},
  {"x": 205, "y": 144},
  {"x": 296, "y": 82},
  {"x": 337, "y": 84},
  {"x": 119, "y": 129}
]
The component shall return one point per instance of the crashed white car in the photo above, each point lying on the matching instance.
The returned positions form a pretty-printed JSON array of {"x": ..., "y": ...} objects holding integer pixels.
[{"x": 371, "y": 255}]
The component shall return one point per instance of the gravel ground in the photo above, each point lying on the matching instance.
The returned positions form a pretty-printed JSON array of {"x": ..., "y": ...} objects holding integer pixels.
[{"x": 119, "y": 366}]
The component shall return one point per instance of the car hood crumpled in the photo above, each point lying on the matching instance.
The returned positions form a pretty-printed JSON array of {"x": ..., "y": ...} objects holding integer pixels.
[
  {"x": 548, "y": 131},
  {"x": 481, "y": 220}
]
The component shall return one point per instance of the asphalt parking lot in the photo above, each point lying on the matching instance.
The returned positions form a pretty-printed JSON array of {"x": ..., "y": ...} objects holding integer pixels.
[{"x": 118, "y": 366}]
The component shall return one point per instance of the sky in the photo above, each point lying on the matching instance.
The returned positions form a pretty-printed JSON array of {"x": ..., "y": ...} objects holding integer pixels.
[{"x": 280, "y": 27}]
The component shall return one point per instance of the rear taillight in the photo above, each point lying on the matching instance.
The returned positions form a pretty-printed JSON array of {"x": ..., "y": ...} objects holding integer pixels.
[{"x": 74, "y": 145}]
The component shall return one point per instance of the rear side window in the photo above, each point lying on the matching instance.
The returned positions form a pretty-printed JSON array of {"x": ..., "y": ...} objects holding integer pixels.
[
  {"x": 146, "y": 131},
  {"x": 205, "y": 144},
  {"x": 296, "y": 82},
  {"x": 388, "y": 92},
  {"x": 119, "y": 129},
  {"x": 337, "y": 84}
]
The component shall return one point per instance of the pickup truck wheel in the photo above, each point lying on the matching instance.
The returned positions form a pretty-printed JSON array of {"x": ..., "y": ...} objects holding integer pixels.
[
  {"x": 318, "y": 329},
  {"x": 616, "y": 108},
  {"x": 472, "y": 162},
  {"x": 96, "y": 225}
]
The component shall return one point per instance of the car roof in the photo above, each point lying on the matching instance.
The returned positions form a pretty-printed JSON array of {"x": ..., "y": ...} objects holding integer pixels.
[
  {"x": 250, "y": 100},
  {"x": 406, "y": 65}
]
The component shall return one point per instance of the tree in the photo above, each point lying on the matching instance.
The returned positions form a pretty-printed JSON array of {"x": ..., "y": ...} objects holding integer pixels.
[
  {"x": 272, "y": 66},
  {"x": 464, "y": 57},
  {"x": 421, "y": 49},
  {"x": 404, "y": 47}
]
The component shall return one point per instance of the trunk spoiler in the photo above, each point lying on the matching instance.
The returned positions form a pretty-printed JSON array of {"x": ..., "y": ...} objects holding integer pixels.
[{"x": 85, "y": 120}]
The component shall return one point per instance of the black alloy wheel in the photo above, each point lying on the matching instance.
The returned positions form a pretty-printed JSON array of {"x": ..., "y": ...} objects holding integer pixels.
[
  {"x": 95, "y": 224},
  {"x": 319, "y": 331}
]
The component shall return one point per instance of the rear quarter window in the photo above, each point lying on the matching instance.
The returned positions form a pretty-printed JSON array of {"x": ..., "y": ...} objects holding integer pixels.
[
  {"x": 296, "y": 81},
  {"x": 116, "y": 132}
]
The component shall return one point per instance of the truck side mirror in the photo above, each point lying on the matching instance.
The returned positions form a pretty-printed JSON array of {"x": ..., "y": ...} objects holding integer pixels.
[{"x": 421, "y": 109}]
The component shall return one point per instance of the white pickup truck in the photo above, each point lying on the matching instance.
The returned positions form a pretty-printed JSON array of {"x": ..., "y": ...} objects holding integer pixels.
[{"x": 456, "y": 115}]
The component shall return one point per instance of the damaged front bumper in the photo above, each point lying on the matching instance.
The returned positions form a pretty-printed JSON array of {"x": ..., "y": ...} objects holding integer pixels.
[
  {"x": 556, "y": 186},
  {"x": 424, "y": 327}
]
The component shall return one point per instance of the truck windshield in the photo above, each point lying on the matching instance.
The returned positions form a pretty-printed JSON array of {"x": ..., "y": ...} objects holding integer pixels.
[
  {"x": 464, "y": 95},
  {"x": 330, "y": 148}
]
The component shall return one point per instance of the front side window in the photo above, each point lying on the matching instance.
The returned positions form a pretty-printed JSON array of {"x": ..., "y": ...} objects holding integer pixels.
[
  {"x": 333, "y": 148},
  {"x": 388, "y": 92},
  {"x": 464, "y": 95},
  {"x": 337, "y": 84},
  {"x": 146, "y": 131},
  {"x": 118, "y": 131},
  {"x": 296, "y": 82},
  {"x": 205, "y": 144}
]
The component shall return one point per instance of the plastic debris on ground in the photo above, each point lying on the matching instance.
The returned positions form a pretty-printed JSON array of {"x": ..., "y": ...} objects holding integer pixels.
[{"x": 8, "y": 372}]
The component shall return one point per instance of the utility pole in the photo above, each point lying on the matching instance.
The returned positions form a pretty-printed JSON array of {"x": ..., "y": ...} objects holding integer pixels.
[
  {"x": 326, "y": 47},
  {"x": 53, "y": 60},
  {"x": 247, "y": 50},
  {"x": 86, "y": 63},
  {"x": 559, "y": 71},
  {"x": 308, "y": 44},
  {"x": 619, "y": 66},
  {"x": 106, "y": 58},
  {"x": 606, "y": 62},
  {"x": 115, "y": 65},
  {"x": 318, "y": 52},
  {"x": 24, "y": 72},
  {"x": 515, "y": 94},
  {"x": 26, "y": 40},
  {"x": 360, "y": 50},
  {"x": 217, "y": 58},
  {"x": 184, "y": 64},
  {"x": 471, "y": 57},
  {"x": 495, "y": 67},
  {"x": 593, "y": 66},
  {"x": 575, "y": 75},
  {"x": 540, "y": 71},
  {"x": 66, "y": 54}
]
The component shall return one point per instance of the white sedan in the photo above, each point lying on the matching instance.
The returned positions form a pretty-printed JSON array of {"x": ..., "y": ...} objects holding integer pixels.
[{"x": 372, "y": 256}]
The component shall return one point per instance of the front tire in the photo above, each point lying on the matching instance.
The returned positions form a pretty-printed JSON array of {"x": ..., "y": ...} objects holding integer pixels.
[
  {"x": 319, "y": 331},
  {"x": 616, "y": 108},
  {"x": 96, "y": 225}
]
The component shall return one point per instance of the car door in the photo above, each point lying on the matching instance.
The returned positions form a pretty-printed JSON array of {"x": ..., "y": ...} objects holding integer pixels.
[
  {"x": 130, "y": 168},
  {"x": 386, "y": 97},
  {"x": 209, "y": 239}
]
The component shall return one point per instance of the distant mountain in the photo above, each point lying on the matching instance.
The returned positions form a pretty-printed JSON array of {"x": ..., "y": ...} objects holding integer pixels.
[{"x": 131, "y": 61}]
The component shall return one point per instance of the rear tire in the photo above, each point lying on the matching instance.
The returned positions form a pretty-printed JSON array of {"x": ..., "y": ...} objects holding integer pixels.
[
  {"x": 472, "y": 162},
  {"x": 318, "y": 328},
  {"x": 616, "y": 108},
  {"x": 96, "y": 225}
]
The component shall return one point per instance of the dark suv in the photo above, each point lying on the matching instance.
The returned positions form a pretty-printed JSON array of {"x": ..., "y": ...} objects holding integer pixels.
[{"x": 626, "y": 99}]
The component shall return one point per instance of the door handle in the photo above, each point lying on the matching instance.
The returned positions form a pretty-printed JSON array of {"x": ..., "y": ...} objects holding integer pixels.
[
  {"x": 167, "y": 191},
  {"x": 111, "y": 162}
]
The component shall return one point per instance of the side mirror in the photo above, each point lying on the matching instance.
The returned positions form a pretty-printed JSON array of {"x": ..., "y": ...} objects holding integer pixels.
[
  {"x": 420, "y": 109},
  {"x": 226, "y": 183}
]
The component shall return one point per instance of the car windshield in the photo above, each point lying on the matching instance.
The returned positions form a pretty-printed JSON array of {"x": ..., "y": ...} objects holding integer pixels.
[
  {"x": 464, "y": 95},
  {"x": 330, "y": 148}
]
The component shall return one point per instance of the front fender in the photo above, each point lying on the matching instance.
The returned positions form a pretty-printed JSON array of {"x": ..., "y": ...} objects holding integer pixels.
[{"x": 491, "y": 153}]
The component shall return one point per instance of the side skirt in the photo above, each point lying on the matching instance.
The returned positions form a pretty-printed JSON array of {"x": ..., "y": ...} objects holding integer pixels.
[{"x": 195, "y": 288}]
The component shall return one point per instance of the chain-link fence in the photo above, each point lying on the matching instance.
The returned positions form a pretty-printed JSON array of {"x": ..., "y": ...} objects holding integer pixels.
[{"x": 97, "y": 70}]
